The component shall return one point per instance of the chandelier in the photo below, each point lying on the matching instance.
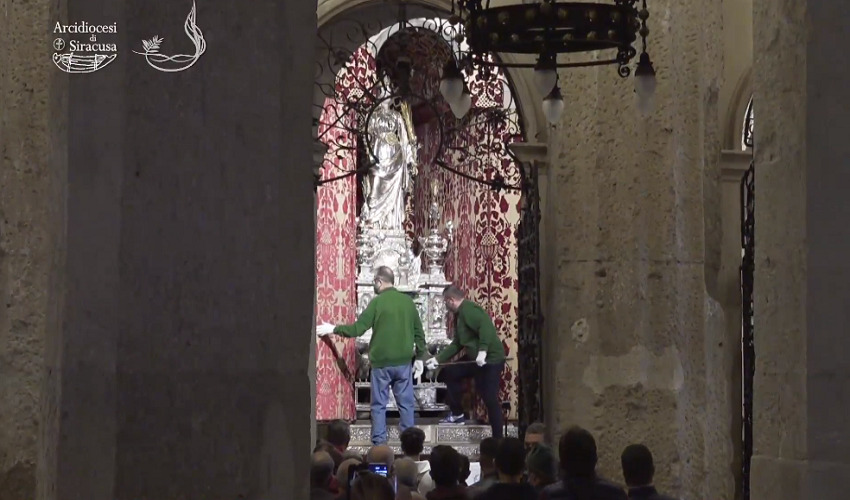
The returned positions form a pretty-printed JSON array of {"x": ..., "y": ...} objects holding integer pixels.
[{"x": 548, "y": 29}]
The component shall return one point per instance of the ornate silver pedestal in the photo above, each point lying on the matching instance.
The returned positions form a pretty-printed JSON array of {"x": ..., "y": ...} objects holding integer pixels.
[
  {"x": 392, "y": 248},
  {"x": 388, "y": 250},
  {"x": 382, "y": 241}
]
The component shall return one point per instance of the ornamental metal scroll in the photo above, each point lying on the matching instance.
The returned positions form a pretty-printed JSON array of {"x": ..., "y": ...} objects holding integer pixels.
[
  {"x": 395, "y": 75},
  {"x": 529, "y": 338}
]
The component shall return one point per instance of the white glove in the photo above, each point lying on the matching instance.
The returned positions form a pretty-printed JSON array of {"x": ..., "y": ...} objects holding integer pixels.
[
  {"x": 432, "y": 364},
  {"x": 480, "y": 360},
  {"x": 324, "y": 329},
  {"x": 418, "y": 368}
]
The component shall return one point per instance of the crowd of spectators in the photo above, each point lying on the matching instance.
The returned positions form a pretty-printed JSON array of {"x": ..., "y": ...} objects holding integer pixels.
[{"x": 510, "y": 469}]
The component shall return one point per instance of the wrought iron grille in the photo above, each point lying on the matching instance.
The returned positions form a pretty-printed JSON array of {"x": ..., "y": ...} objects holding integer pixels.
[
  {"x": 747, "y": 344},
  {"x": 747, "y": 134},
  {"x": 530, "y": 317}
]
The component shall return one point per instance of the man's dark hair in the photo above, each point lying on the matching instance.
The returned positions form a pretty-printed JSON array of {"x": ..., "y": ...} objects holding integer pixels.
[
  {"x": 541, "y": 462},
  {"x": 453, "y": 292},
  {"x": 330, "y": 450},
  {"x": 488, "y": 447},
  {"x": 638, "y": 467},
  {"x": 321, "y": 469},
  {"x": 445, "y": 466},
  {"x": 464, "y": 468},
  {"x": 577, "y": 451},
  {"x": 536, "y": 428},
  {"x": 510, "y": 458},
  {"x": 339, "y": 433},
  {"x": 412, "y": 441},
  {"x": 369, "y": 486},
  {"x": 385, "y": 274}
]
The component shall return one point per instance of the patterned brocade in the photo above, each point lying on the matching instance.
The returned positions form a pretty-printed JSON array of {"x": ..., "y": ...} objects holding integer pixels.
[{"x": 481, "y": 260}]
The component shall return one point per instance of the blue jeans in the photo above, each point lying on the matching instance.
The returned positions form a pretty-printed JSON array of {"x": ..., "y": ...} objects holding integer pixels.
[{"x": 400, "y": 379}]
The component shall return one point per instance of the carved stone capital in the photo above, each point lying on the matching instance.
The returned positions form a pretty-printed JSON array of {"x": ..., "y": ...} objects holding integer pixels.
[{"x": 530, "y": 152}]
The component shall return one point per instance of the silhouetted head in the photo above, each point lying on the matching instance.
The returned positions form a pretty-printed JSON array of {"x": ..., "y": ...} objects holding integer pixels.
[
  {"x": 445, "y": 466},
  {"x": 577, "y": 451},
  {"x": 321, "y": 470},
  {"x": 381, "y": 454},
  {"x": 638, "y": 466},
  {"x": 368, "y": 486},
  {"x": 487, "y": 449},
  {"x": 534, "y": 435},
  {"x": 339, "y": 434},
  {"x": 406, "y": 472},
  {"x": 412, "y": 442},
  {"x": 342, "y": 472},
  {"x": 510, "y": 458},
  {"x": 542, "y": 466}
]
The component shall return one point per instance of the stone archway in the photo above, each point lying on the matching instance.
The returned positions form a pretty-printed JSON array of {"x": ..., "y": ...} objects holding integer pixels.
[
  {"x": 336, "y": 17},
  {"x": 733, "y": 124}
]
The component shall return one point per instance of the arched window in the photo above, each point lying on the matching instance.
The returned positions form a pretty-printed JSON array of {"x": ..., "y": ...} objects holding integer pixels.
[{"x": 747, "y": 131}]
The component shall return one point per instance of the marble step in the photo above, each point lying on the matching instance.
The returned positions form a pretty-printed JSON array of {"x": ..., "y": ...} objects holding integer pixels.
[{"x": 463, "y": 438}]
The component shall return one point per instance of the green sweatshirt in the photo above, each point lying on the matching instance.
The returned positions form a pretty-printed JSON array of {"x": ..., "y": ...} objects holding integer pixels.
[
  {"x": 475, "y": 331},
  {"x": 396, "y": 329}
]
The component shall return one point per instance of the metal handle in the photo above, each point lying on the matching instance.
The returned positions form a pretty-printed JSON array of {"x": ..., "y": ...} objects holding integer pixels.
[{"x": 470, "y": 362}]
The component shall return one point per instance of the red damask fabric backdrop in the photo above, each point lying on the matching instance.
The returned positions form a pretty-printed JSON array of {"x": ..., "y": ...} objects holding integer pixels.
[
  {"x": 335, "y": 272},
  {"x": 482, "y": 259},
  {"x": 336, "y": 231}
]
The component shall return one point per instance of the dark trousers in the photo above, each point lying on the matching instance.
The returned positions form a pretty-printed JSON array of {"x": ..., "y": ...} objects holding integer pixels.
[{"x": 487, "y": 379}]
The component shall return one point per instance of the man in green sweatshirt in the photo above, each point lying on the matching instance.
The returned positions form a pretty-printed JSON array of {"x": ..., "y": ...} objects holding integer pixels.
[
  {"x": 475, "y": 332},
  {"x": 397, "y": 337}
]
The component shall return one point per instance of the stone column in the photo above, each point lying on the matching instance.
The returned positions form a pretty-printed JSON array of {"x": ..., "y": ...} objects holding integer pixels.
[
  {"x": 25, "y": 201},
  {"x": 734, "y": 165},
  {"x": 182, "y": 293},
  {"x": 802, "y": 440},
  {"x": 636, "y": 344}
]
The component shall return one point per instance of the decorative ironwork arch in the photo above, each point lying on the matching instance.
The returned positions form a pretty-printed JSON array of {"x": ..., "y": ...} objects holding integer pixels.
[{"x": 365, "y": 92}]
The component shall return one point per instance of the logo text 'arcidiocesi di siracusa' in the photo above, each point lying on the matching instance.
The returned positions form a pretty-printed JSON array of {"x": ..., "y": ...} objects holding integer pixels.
[{"x": 83, "y": 47}]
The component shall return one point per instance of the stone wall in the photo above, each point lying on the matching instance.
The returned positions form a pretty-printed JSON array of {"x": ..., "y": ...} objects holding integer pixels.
[
  {"x": 24, "y": 239},
  {"x": 734, "y": 165},
  {"x": 780, "y": 292},
  {"x": 155, "y": 229},
  {"x": 802, "y": 441},
  {"x": 736, "y": 89},
  {"x": 637, "y": 344}
]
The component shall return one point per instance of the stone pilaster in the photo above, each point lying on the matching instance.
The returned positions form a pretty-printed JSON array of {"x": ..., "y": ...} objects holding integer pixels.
[
  {"x": 801, "y": 294},
  {"x": 25, "y": 200},
  {"x": 182, "y": 293},
  {"x": 636, "y": 345}
]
